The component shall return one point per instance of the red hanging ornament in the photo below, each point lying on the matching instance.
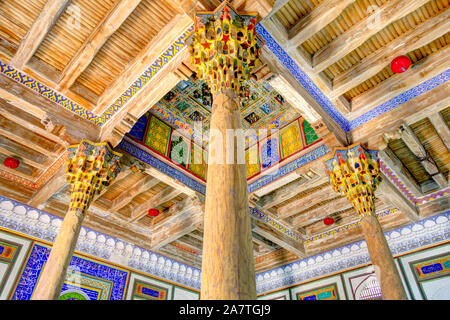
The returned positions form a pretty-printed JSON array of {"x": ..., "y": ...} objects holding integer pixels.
[
  {"x": 11, "y": 163},
  {"x": 400, "y": 64},
  {"x": 153, "y": 212},
  {"x": 328, "y": 221}
]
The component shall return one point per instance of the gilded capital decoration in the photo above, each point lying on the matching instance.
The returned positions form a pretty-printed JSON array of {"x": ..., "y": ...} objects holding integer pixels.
[
  {"x": 354, "y": 171},
  {"x": 224, "y": 47},
  {"x": 90, "y": 167}
]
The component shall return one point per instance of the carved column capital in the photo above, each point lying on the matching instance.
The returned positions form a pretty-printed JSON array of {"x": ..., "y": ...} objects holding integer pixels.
[{"x": 90, "y": 167}]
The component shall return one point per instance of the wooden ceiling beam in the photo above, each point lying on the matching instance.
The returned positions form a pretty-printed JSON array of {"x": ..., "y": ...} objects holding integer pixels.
[
  {"x": 280, "y": 34},
  {"x": 36, "y": 34},
  {"x": 289, "y": 191},
  {"x": 321, "y": 16},
  {"x": 323, "y": 193},
  {"x": 441, "y": 128},
  {"x": 183, "y": 222},
  {"x": 27, "y": 143},
  {"x": 419, "y": 107},
  {"x": 341, "y": 218},
  {"x": 413, "y": 143},
  {"x": 399, "y": 169},
  {"x": 371, "y": 65},
  {"x": 38, "y": 130},
  {"x": 53, "y": 185},
  {"x": 389, "y": 194},
  {"x": 32, "y": 102},
  {"x": 280, "y": 239},
  {"x": 23, "y": 158},
  {"x": 84, "y": 56},
  {"x": 128, "y": 195},
  {"x": 158, "y": 199},
  {"x": 362, "y": 31},
  {"x": 311, "y": 216},
  {"x": 141, "y": 62},
  {"x": 390, "y": 88}
]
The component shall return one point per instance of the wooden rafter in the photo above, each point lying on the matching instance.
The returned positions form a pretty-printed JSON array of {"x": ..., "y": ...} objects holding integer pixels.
[
  {"x": 96, "y": 40},
  {"x": 280, "y": 239},
  {"x": 141, "y": 62},
  {"x": 389, "y": 194},
  {"x": 160, "y": 198},
  {"x": 323, "y": 193},
  {"x": 127, "y": 196},
  {"x": 363, "y": 30},
  {"x": 409, "y": 41},
  {"x": 311, "y": 216},
  {"x": 37, "y": 32},
  {"x": 322, "y": 15},
  {"x": 432, "y": 66},
  {"x": 441, "y": 127},
  {"x": 416, "y": 147}
]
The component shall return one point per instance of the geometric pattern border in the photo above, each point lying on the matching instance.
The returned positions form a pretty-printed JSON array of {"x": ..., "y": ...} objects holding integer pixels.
[
  {"x": 412, "y": 237},
  {"x": 38, "y": 257}
]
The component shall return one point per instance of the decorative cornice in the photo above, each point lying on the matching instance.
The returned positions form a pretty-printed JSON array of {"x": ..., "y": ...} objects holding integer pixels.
[
  {"x": 39, "y": 181},
  {"x": 44, "y": 226},
  {"x": 430, "y": 231}
]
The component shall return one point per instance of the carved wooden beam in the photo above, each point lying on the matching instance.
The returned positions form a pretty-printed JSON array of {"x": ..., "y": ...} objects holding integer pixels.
[
  {"x": 143, "y": 60},
  {"x": 407, "y": 42},
  {"x": 28, "y": 100},
  {"x": 362, "y": 31},
  {"x": 280, "y": 239},
  {"x": 289, "y": 191},
  {"x": 41, "y": 26},
  {"x": 396, "y": 165},
  {"x": 186, "y": 220},
  {"x": 160, "y": 198},
  {"x": 323, "y": 193},
  {"x": 419, "y": 107},
  {"x": 127, "y": 196},
  {"x": 317, "y": 19},
  {"x": 429, "y": 67},
  {"x": 279, "y": 33},
  {"x": 441, "y": 127},
  {"x": 317, "y": 214},
  {"x": 53, "y": 185},
  {"x": 116, "y": 16},
  {"x": 389, "y": 194},
  {"x": 416, "y": 147}
]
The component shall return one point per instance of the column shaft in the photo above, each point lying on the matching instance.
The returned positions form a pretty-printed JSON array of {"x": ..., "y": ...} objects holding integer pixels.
[
  {"x": 381, "y": 257},
  {"x": 227, "y": 263},
  {"x": 54, "y": 270}
]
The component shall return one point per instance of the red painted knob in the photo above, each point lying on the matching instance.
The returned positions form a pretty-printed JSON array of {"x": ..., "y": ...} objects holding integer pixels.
[
  {"x": 400, "y": 64},
  {"x": 11, "y": 163},
  {"x": 153, "y": 212},
  {"x": 328, "y": 221}
]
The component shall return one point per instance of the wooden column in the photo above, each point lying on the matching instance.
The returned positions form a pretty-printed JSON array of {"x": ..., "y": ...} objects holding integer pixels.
[
  {"x": 381, "y": 257},
  {"x": 354, "y": 172},
  {"x": 90, "y": 167},
  {"x": 228, "y": 271}
]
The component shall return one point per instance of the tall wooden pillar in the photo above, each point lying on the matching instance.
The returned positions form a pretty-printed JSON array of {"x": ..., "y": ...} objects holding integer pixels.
[
  {"x": 381, "y": 257},
  {"x": 228, "y": 271},
  {"x": 225, "y": 49},
  {"x": 90, "y": 168},
  {"x": 354, "y": 172}
]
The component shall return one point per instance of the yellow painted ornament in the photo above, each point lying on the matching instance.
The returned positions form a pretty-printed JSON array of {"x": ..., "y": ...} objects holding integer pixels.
[{"x": 224, "y": 48}]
